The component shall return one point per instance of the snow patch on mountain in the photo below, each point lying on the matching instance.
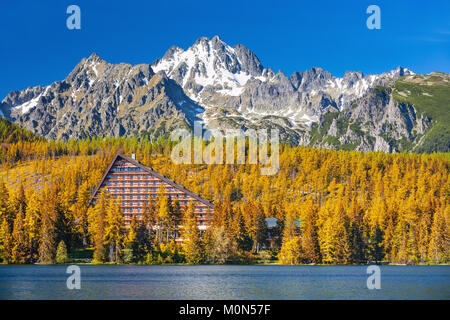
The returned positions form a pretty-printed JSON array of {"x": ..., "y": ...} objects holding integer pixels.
[
  {"x": 30, "y": 104},
  {"x": 206, "y": 63}
]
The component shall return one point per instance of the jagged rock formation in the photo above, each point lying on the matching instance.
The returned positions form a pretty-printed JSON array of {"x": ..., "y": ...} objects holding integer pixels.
[
  {"x": 228, "y": 87},
  {"x": 102, "y": 99}
]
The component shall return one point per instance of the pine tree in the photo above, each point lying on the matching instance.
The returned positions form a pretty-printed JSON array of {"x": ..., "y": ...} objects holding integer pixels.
[
  {"x": 310, "y": 239},
  {"x": 5, "y": 212},
  {"x": 221, "y": 248},
  {"x": 61, "y": 253},
  {"x": 240, "y": 234},
  {"x": 138, "y": 240},
  {"x": 192, "y": 242},
  {"x": 80, "y": 213},
  {"x": 5, "y": 242},
  {"x": 20, "y": 248},
  {"x": 113, "y": 235},
  {"x": 18, "y": 200},
  {"x": 163, "y": 212},
  {"x": 176, "y": 217},
  {"x": 291, "y": 250},
  {"x": 32, "y": 226},
  {"x": 439, "y": 248},
  {"x": 48, "y": 234},
  {"x": 97, "y": 217},
  {"x": 258, "y": 227},
  {"x": 375, "y": 249}
]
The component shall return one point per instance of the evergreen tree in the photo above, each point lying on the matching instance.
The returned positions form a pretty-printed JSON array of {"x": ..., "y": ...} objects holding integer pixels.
[
  {"x": 5, "y": 242},
  {"x": 439, "y": 248},
  {"x": 192, "y": 242},
  {"x": 291, "y": 250},
  {"x": 310, "y": 239},
  {"x": 5, "y": 213},
  {"x": 80, "y": 213},
  {"x": 32, "y": 226},
  {"x": 48, "y": 234},
  {"x": 19, "y": 249},
  {"x": 163, "y": 215},
  {"x": 113, "y": 234},
  {"x": 61, "y": 253},
  {"x": 97, "y": 222},
  {"x": 240, "y": 234},
  {"x": 222, "y": 247},
  {"x": 138, "y": 240}
]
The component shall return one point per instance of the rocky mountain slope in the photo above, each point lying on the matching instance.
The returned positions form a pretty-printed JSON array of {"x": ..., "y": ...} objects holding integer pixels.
[
  {"x": 228, "y": 87},
  {"x": 102, "y": 99}
]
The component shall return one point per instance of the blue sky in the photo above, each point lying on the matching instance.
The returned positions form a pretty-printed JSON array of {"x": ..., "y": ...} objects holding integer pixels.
[{"x": 37, "y": 48}]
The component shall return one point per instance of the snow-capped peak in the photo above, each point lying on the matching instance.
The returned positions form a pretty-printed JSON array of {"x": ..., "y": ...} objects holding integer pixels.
[{"x": 208, "y": 62}]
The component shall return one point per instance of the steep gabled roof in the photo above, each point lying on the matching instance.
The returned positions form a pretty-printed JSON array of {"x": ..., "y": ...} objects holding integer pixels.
[{"x": 154, "y": 173}]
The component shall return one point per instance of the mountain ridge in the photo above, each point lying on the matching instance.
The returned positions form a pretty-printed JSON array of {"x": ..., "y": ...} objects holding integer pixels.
[{"x": 225, "y": 87}]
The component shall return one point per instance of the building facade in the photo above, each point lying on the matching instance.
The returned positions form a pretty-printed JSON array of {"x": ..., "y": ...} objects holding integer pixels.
[{"x": 136, "y": 185}]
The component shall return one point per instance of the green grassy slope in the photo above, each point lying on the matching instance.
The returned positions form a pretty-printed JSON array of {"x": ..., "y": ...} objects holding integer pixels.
[{"x": 430, "y": 95}]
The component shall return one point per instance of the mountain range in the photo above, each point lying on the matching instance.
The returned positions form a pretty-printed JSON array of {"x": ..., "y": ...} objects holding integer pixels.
[{"x": 228, "y": 87}]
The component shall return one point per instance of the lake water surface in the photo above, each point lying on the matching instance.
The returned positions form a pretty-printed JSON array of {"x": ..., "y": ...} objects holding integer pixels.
[{"x": 225, "y": 282}]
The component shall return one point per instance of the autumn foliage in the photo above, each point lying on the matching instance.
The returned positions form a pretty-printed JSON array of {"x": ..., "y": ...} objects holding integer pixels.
[{"x": 333, "y": 207}]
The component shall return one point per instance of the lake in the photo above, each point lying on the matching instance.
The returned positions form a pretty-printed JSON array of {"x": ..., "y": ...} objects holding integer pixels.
[{"x": 224, "y": 282}]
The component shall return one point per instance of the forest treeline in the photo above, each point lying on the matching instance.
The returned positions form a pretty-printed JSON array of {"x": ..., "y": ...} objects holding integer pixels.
[
  {"x": 11, "y": 132},
  {"x": 332, "y": 207}
]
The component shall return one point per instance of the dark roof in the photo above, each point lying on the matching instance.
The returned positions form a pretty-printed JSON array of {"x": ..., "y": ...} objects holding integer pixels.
[
  {"x": 272, "y": 222},
  {"x": 156, "y": 174}
]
